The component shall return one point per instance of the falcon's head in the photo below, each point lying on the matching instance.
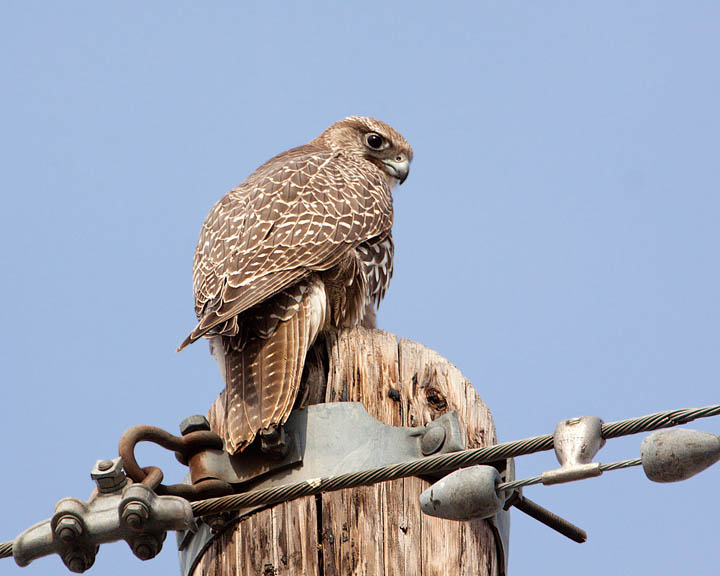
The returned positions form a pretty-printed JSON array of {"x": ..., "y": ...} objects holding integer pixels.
[{"x": 373, "y": 141}]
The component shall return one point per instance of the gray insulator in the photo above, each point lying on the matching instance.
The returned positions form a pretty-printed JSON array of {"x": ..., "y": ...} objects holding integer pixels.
[
  {"x": 463, "y": 495},
  {"x": 674, "y": 455}
]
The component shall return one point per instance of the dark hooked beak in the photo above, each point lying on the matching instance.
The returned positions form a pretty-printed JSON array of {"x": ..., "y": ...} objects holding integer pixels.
[{"x": 398, "y": 169}]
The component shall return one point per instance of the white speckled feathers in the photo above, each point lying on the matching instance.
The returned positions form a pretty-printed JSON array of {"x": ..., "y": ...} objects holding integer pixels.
[{"x": 299, "y": 212}]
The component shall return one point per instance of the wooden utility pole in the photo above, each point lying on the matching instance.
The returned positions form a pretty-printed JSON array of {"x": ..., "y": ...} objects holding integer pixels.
[{"x": 375, "y": 530}]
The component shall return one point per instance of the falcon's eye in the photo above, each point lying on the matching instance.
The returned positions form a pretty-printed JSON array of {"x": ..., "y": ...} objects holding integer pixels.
[{"x": 374, "y": 141}]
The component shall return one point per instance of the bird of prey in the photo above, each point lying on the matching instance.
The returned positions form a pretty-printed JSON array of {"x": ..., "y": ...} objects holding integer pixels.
[{"x": 303, "y": 246}]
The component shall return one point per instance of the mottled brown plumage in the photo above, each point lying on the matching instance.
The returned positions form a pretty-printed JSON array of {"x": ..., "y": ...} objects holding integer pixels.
[{"x": 302, "y": 246}]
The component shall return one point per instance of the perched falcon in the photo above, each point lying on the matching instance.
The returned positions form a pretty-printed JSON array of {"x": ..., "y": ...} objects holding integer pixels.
[{"x": 304, "y": 245}]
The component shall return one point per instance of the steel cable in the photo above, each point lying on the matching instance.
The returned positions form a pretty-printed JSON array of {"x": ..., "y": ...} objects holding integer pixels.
[
  {"x": 538, "y": 479},
  {"x": 621, "y": 465},
  {"x": 438, "y": 463},
  {"x": 666, "y": 419}
]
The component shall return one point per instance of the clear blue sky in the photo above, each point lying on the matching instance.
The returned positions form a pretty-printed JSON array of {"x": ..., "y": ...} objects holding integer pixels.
[{"x": 557, "y": 238}]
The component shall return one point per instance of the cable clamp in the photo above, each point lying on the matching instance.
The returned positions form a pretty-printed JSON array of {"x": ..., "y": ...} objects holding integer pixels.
[{"x": 576, "y": 442}]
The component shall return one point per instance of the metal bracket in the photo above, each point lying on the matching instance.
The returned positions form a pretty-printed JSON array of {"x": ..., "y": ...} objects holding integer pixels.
[
  {"x": 329, "y": 439},
  {"x": 117, "y": 510},
  {"x": 323, "y": 440}
]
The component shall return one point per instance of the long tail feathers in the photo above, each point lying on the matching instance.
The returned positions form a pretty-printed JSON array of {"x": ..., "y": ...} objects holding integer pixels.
[{"x": 263, "y": 378}]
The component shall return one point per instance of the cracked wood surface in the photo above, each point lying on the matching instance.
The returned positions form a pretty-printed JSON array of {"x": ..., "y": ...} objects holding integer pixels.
[{"x": 374, "y": 530}]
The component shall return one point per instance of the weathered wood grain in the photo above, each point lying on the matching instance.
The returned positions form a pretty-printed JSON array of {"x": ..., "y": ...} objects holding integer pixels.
[{"x": 374, "y": 530}]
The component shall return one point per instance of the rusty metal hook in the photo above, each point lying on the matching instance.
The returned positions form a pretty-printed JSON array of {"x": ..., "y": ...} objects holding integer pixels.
[{"x": 185, "y": 446}]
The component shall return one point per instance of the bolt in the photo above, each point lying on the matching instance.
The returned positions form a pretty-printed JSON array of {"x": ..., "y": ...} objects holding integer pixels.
[
  {"x": 108, "y": 475},
  {"x": 193, "y": 424},
  {"x": 76, "y": 564},
  {"x": 68, "y": 528},
  {"x": 216, "y": 522},
  {"x": 78, "y": 561},
  {"x": 146, "y": 547},
  {"x": 143, "y": 551},
  {"x": 432, "y": 440},
  {"x": 66, "y": 535},
  {"x": 135, "y": 515}
]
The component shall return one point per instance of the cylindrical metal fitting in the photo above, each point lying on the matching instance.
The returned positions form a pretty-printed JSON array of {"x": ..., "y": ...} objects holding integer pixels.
[
  {"x": 465, "y": 494},
  {"x": 674, "y": 455}
]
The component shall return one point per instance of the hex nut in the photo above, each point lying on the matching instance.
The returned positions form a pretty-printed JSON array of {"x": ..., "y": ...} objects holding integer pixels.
[
  {"x": 143, "y": 551},
  {"x": 76, "y": 564},
  {"x": 146, "y": 546},
  {"x": 194, "y": 424},
  {"x": 78, "y": 561},
  {"x": 135, "y": 514},
  {"x": 68, "y": 528},
  {"x": 108, "y": 475}
]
